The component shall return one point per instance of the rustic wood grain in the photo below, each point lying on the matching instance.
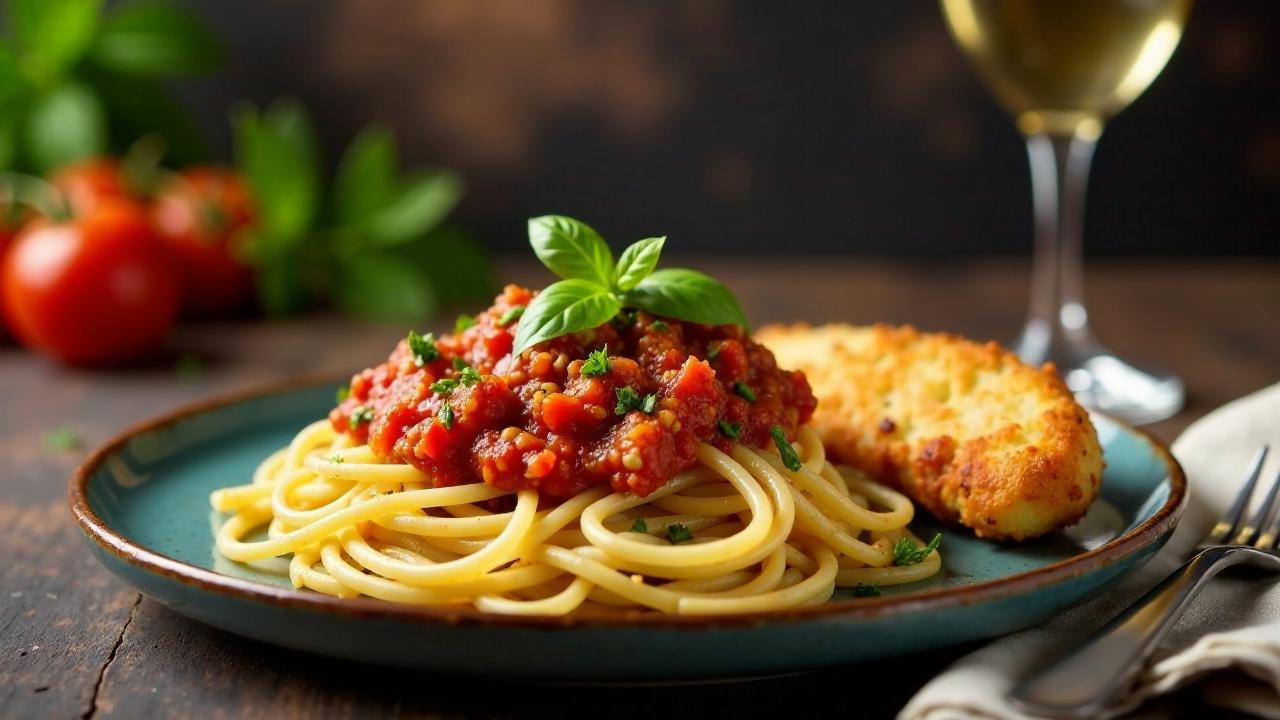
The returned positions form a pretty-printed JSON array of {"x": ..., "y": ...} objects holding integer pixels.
[
  {"x": 61, "y": 614},
  {"x": 75, "y": 642}
]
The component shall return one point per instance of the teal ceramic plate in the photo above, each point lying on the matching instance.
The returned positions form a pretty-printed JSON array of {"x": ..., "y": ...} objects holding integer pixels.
[{"x": 143, "y": 502}]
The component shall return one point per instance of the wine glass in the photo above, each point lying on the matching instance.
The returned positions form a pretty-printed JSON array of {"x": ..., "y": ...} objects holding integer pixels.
[{"x": 1061, "y": 69}]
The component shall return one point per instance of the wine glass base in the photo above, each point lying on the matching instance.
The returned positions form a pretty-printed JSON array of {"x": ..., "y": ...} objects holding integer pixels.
[{"x": 1101, "y": 381}]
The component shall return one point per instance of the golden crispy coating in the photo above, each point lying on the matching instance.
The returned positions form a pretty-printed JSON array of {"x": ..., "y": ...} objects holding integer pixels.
[{"x": 969, "y": 431}]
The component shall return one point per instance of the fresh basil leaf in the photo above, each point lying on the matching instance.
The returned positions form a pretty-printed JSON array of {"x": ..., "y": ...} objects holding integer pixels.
[
  {"x": 687, "y": 295},
  {"x": 381, "y": 286},
  {"x": 277, "y": 152},
  {"x": 151, "y": 39},
  {"x": 52, "y": 35},
  {"x": 64, "y": 125},
  {"x": 567, "y": 306},
  {"x": 365, "y": 181},
  {"x": 637, "y": 262},
  {"x": 571, "y": 249},
  {"x": 421, "y": 204}
]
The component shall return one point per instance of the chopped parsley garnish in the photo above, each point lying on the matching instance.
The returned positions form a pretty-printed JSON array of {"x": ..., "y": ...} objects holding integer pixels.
[
  {"x": 337, "y": 459},
  {"x": 360, "y": 416},
  {"x": 864, "y": 590},
  {"x": 511, "y": 315},
  {"x": 677, "y": 533},
  {"x": 789, "y": 457},
  {"x": 659, "y": 326},
  {"x": 629, "y": 400},
  {"x": 467, "y": 376},
  {"x": 343, "y": 393},
  {"x": 597, "y": 363},
  {"x": 906, "y": 552},
  {"x": 740, "y": 388},
  {"x": 423, "y": 348},
  {"x": 459, "y": 363},
  {"x": 714, "y": 350},
  {"x": 731, "y": 429},
  {"x": 640, "y": 526},
  {"x": 446, "y": 416},
  {"x": 62, "y": 439},
  {"x": 463, "y": 322}
]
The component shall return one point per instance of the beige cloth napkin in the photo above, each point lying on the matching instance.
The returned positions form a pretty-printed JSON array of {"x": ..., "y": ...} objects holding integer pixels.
[{"x": 1230, "y": 636}]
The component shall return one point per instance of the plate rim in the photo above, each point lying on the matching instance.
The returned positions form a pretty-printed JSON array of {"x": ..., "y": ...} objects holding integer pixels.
[{"x": 99, "y": 532}]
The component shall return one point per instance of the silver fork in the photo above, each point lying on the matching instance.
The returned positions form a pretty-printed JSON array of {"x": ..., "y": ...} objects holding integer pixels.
[{"x": 1084, "y": 681}]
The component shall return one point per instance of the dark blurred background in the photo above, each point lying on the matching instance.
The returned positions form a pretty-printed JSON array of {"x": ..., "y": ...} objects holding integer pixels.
[{"x": 829, "y": 127}]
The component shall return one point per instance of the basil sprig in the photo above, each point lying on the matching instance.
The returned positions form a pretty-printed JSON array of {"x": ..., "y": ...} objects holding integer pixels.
[{"x": 594, "y": 288}]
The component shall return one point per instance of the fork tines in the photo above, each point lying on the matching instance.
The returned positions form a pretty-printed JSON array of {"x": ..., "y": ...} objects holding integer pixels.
[{"x": 1263, "y": 527}]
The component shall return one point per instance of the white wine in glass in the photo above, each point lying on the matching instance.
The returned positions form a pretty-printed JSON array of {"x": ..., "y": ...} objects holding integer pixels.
[{"x": 1062, "y": 68}]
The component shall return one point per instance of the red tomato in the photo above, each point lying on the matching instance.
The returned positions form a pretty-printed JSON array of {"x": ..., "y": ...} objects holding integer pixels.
[
  {"x": 84, "y": 184},
  {"x": 5, "y": 239},
  {"x": 98, "y": 289},
  {"x": 200, "y": 213},
  {"x": 10, "y": 223}
]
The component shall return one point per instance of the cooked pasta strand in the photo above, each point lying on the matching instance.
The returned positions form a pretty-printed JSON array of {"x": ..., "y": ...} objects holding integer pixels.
[{"x": 739, "y": 532}]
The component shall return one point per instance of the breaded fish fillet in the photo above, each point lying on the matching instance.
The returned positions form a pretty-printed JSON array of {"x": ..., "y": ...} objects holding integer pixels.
[{"x": 966, "y": 429}]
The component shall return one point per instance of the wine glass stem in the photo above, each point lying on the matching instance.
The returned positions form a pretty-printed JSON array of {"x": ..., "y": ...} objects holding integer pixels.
[{"x": 1058, "y": 326}]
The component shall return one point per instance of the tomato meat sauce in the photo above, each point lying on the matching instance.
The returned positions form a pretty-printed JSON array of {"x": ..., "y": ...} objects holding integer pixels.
[{"x": 468, "y": 410}]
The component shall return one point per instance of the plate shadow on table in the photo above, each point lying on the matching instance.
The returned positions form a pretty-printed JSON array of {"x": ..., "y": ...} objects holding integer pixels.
[{"x": 193, "y": 668}]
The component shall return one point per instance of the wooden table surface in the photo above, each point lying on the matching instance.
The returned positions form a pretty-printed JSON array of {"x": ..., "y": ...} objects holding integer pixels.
[{"x": 77, "y": 642}]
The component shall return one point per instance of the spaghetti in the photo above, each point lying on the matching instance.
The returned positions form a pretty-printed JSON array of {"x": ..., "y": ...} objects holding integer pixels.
[
  {"x": 737, "y": 532},
  {"x": 596, "y": 446}
]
